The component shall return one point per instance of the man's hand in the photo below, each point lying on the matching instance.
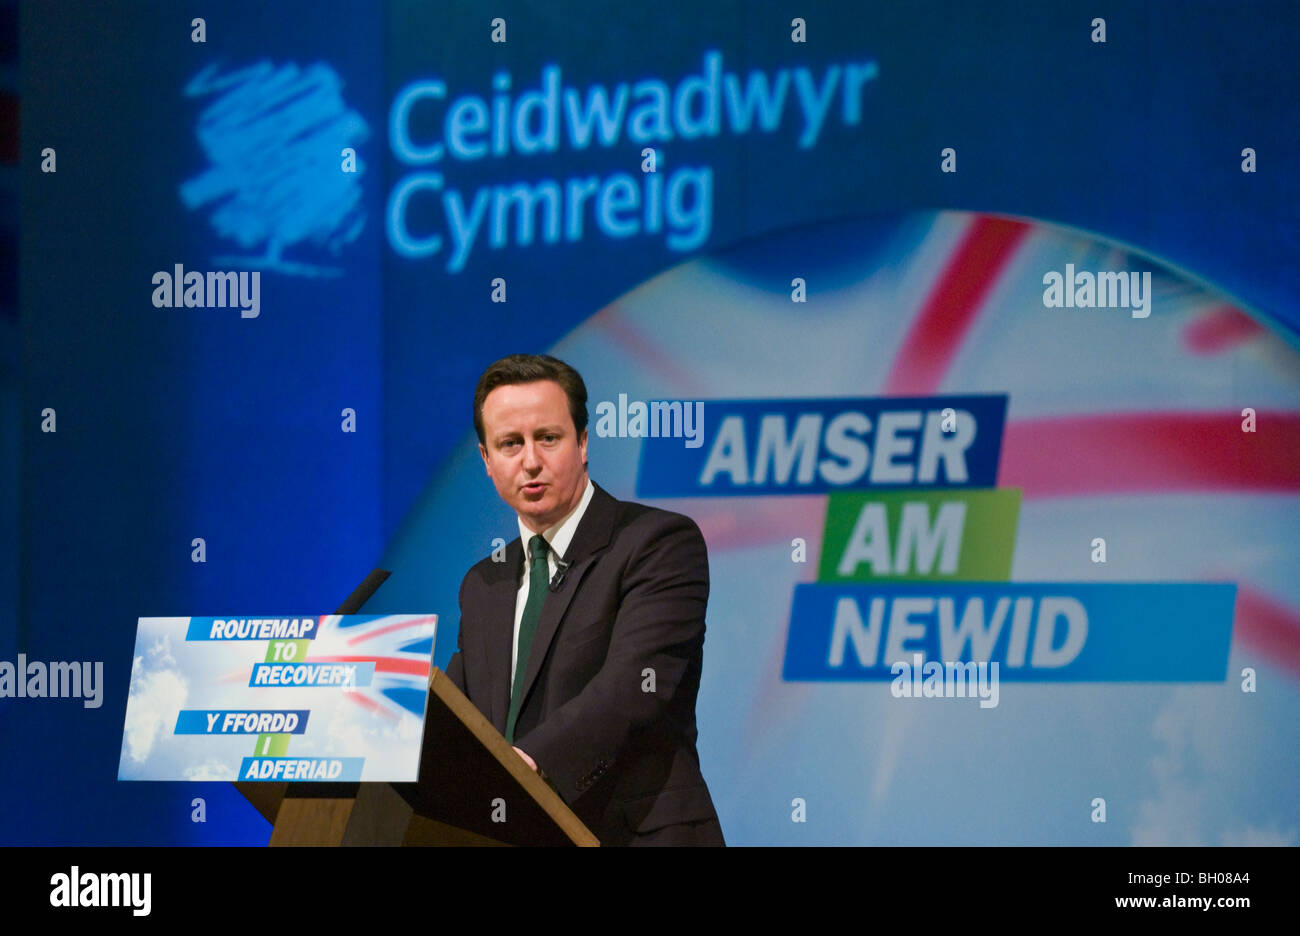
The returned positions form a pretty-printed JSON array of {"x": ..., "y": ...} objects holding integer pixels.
[{"x": 527, "y": 760}]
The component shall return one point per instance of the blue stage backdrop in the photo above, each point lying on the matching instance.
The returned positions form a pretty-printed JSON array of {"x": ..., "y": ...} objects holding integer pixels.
[{"x": 967, "y": 333}]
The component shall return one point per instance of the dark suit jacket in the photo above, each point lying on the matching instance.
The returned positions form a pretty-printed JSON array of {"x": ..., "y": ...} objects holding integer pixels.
[{"x": 631, "y": 601}]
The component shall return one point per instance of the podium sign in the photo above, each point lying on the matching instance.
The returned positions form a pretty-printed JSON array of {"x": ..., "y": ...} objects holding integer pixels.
[{"x": 330, "y": 698}]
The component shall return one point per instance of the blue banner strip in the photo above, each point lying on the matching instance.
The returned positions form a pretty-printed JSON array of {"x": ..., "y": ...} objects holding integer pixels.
[
  {"x": 300, "y": 769},
  {"x": 1037, "y": 632},
  {"x": 241, "y": 721},
  {"x": 782, "y": 447},
  {"x": 301, "y": 627},
  {"x": 311, "y": 675}
]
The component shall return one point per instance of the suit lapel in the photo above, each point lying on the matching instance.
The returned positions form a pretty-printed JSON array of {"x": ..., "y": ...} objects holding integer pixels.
[
  {"x": 499, "y": 632},
  {"x": 589, "y": 540}
]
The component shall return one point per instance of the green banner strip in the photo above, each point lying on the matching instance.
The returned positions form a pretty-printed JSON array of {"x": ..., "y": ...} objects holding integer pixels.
[{"x": 956, "y": 535}]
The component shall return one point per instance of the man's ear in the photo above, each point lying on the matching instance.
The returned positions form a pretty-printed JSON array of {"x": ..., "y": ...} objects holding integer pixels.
[
  {"x": 483, "y": 454},
  {"x": 582, "y": 445}
]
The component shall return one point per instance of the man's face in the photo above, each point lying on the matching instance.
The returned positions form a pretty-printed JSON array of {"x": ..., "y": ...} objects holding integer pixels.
[{"x": 534, "y": 455}]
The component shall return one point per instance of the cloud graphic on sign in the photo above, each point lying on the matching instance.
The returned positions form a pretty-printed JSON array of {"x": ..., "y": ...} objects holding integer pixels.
[
  {"x": 210, "y": 770},
  {"x": 157, "y": 694}
]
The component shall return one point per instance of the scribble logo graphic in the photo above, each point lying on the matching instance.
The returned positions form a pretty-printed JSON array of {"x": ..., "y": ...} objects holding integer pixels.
[{"x": 275, "y": 139}]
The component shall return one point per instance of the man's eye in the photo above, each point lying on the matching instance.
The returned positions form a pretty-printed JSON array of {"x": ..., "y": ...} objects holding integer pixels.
[{"x": 552, "y": 436}]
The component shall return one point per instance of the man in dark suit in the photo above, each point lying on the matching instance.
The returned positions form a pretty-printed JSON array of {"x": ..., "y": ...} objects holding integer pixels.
[{"x": 584, "y": 646}]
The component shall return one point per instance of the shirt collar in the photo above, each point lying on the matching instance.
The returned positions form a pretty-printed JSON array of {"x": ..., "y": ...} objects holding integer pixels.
[{"x": 560, "y": 535}]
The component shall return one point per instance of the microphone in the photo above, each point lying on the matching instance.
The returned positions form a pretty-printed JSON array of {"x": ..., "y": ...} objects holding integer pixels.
[{"x": 561, "y": 567}]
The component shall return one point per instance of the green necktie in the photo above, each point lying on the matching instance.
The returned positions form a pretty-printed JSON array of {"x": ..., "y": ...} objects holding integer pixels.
[{"x": 538, "y": 584}]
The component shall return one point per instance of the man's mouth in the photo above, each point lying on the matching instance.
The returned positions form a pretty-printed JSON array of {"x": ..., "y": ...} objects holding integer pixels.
[{"x": 535, "y": 488}]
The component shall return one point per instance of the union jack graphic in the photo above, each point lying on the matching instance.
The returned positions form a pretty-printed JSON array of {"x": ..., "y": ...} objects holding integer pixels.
[{"x": 400, "y": 646}]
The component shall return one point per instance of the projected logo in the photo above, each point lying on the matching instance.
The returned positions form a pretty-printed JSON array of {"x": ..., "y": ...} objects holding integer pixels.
[
  {"x": 430, "y": 124},
  {"x": 283, "y": 166}
]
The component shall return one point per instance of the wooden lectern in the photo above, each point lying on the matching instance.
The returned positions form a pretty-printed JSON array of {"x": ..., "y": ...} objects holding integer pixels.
[{"x": 469, "y": 775}]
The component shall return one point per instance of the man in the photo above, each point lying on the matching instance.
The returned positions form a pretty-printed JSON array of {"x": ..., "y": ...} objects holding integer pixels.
[{"x": 584, "y": 647}]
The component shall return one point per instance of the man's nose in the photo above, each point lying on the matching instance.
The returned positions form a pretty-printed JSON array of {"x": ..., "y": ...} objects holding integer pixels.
[{"x": 532, "y": 455}]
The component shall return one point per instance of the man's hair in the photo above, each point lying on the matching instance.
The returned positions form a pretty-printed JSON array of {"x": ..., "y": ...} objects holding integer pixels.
[{"x": 528, "y": 368}]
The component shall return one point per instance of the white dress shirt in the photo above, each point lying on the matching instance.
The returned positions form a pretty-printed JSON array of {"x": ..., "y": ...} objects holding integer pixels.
[{"x": 558, "y": 538}]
